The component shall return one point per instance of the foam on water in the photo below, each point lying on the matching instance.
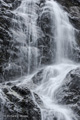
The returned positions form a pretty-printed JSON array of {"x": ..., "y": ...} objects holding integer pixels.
[{"x": 52, "y": 76}]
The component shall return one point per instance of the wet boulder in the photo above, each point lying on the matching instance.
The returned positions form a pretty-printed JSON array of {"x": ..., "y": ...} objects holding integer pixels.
[
  {"x": 69, "y": 3},
  {"x": 75, "y": 20},
  {"x": 45, "y": 23},
  {"x": 69, "y": 93},
  {"x": 45, "y": 20},
  {"x": 37, "y": 78},
  {"x": 9, "y": 1},
  {"x": 12, "y": 4},
  {"x": 46, "y": 43},
  {"x": 11, "y": 70},
  {"x": 18, "y": 104},
  {"x": 75, "y": 16},
  {"x": 8, "y": 51}
]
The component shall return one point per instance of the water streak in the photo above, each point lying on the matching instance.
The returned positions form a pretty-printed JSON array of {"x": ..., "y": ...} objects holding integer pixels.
[
  {"x": 52, "y": 76},
  {"x": 27, "y": 32}
]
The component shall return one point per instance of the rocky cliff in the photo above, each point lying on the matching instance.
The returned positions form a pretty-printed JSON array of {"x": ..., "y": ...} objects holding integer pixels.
[
  {"x": 12, "y": 50},
  {"x": 14, "y": 59}
]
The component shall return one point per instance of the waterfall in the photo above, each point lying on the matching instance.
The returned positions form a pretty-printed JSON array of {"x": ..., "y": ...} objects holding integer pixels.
[
  {"x": 52, "y": 76},
  {"x": 64, "y": 33},
  {"x": 26, "y": 34}
]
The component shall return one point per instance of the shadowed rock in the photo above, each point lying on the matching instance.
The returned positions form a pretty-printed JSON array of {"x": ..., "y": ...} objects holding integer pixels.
[
  {"x": 19, "y": 104},
  {"x": 69, "y": 93}
]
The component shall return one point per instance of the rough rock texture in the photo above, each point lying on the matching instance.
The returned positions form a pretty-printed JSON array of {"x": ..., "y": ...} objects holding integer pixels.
[
  {"x": 18, "y": 104},
  {"x": 6, "y": 38},
  {"x": 46, "y": 43},
  {"x": 13, "y": 54},
  {"x": 13, "y": 61},
  {"x": 13, "y": 49},
  {"x": 69, "y": 3},
  {"x": 69, "y": 93},
  {"x": 75, "y": 16}
]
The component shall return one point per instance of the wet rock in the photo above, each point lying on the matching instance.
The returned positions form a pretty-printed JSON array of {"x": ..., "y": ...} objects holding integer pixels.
[
  {"x": 5, "y": 34},
  {"x": 1, "y": 77},
  {"x": 46, "y": 46},
  {"x": 12, "y": 98},
  {"x": 38, "y": 100},
  {"x": 46, "y": 23},
  {"x": 5, "y": 90},
  {"x": 69, "y": 93},
  {"x": 12, "y": 4},
  {"x": 75, "y": 16},
  {"x": 11, "y": 71},
  {"x": 9, "y": 1},
  {"x": 15, "y": 4},
  {"x": 14, "y": 52},
  {"x": 22, "y": 91},
  {"x": 9, "y": 83},
  {"x": 38, "y": 77},
  {"x": 19, "y": 105},
  {"x": 69, "y": 3}
]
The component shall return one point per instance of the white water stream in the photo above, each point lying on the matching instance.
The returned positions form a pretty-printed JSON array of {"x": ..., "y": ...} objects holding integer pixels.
[
  {"x": 53, "y": 75},
  {"x": 27, "y": 33}
]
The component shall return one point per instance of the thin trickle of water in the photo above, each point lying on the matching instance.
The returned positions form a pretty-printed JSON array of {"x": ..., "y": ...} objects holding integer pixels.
[
  {"x": 52, "y": 76},
  {"x": 26, "y": 34}
]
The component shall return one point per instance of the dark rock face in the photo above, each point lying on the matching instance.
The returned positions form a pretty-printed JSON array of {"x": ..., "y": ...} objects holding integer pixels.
[
  {"x": 75, "y": 16},
  {"x": 46, "y": 43},
  {"x": 75, "y": 20},
  {"x": 9, "y": 1},
  {"x": 69, "y": 3},
  {"x": 37, "y": 79},
  {"x": 6, "y": 38},
  {"x": 69, "y": 93},
  {"x": 19, "y": 104},
  {"x": 45, "y": 22},
  {"x": 13, "y": 54}
]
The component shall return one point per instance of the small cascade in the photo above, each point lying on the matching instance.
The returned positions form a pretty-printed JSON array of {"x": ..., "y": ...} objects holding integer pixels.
[
  {"x": 26, "y": 33},
  {"x": 64, "y": 33},
  {"x": 50, "y": 77}
]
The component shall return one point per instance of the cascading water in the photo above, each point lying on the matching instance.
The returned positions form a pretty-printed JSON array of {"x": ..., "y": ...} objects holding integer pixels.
[
  {"x": 52, "y": 76},
  {"x": 64, "y": 34},
  {"x": 26, "y": 34}
]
